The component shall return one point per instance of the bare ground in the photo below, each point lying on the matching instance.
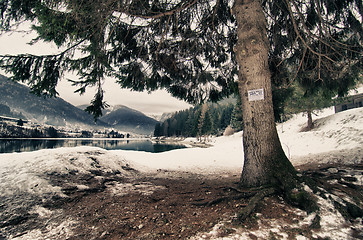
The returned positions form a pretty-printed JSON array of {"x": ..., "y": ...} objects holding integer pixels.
[{"x": 167, "y": 206}]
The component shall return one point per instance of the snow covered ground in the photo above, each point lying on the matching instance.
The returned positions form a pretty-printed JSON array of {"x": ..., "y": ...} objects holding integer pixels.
[
  {"x": 25, "y": 178},
  {"x": 334, "y": 132}
]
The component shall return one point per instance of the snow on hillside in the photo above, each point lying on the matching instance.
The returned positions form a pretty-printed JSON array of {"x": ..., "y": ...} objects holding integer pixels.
[
  {"x": 333, "y": 132},
  {"x": 25, "y": 178}
]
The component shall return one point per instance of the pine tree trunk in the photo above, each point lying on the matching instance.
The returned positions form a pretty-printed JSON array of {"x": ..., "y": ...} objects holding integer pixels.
[
  {"x": 265, "y": 162},
  {"x": 310, "y": 120}
]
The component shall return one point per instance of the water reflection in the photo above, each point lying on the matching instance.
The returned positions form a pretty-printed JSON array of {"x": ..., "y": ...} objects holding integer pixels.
[{"x": 27, "y": 145}]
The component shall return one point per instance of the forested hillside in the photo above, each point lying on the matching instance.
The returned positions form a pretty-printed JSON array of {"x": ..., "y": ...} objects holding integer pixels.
[{"x": 211, "y": 118}]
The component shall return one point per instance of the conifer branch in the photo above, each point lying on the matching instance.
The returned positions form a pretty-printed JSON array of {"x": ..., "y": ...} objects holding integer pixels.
[
  {"x": 299, "y": 35},
  {"x": 180, "y": 7}
]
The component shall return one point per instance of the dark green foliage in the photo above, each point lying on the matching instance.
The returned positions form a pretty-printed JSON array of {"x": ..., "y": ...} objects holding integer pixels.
[
  {"x": 97, "y": 105},
  {"x": 187, "y": 123},
  {"x": 86, "y": 134},
  {"x": 16, "y": 11},
  {"x": 41, "y": 73},
  {"x": 280, "y": 97},
  {"x": 206, "y": 126},
  {"x": 218, "y": 116},
  {"x": 52, "y": 132},
  {"x": 186, "y": 47},
  {"x": 236, "y": 118},
  {"x": 157, "y": 131},
  {"x": 115, "y": 46},
  {"x": 36, "y": 133},
  {"x": 354, "y": 211},
  {"x": 303, "y": 100},
  {"x": 225, "y": 117}
]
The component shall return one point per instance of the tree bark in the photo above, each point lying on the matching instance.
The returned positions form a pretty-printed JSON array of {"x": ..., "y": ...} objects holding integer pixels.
[
  {"x": 264, "y": 159},
  {"x": 310, "y": 120}
]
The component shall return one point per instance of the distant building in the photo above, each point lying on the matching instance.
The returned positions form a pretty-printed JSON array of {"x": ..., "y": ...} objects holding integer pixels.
[{"x": 354, "y": 101}]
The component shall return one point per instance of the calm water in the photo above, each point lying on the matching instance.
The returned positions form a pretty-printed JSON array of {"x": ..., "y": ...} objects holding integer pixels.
[{"x": 28, "y": 145}]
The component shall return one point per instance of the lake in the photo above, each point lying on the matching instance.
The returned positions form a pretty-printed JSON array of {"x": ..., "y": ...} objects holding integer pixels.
[{"x": 28, "y": 145}]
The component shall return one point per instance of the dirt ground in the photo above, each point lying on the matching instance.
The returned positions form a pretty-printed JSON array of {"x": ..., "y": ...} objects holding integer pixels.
[
  {"x": 177, "y": 207},
  {"x": 171, "y": 212}
]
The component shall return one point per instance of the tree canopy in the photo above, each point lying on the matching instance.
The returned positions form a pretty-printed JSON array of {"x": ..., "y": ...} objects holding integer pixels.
[{"x": 183, "y": 46}]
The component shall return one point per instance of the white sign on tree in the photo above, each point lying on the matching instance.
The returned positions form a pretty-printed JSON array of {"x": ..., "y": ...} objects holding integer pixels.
[{"x": 255, "y": 95}]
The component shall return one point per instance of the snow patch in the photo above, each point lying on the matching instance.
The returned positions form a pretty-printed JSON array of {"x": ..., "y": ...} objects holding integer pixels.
[
  {"x": 53, "y": 231},
  {"x": 145, "y": 188}
]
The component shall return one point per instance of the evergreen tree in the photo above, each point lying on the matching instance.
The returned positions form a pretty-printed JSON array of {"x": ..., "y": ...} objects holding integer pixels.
[
  {"x": 215, "y": 119},
  {"x": 225, "y": 117},
  {"x": 35, "y": 133},
  {"x": 157, "y": 131},
  {"x": 190, "y": 129},
  {"x": 197, "y": 112},
  {"x": 52, "y": 132},
  {"x": 236, "y": 117},
  {"x": 188, "y": 122},
  {"x": 173, "y": 127},
  {"x": 182, "y": 118},
  {"x": 195, "y": 49},
  {"x": 207, "y": 125},
  {"x": 201, "y": 120},
  {"x": 165, "y": 128},
  {"x": 307, "y": 102}
]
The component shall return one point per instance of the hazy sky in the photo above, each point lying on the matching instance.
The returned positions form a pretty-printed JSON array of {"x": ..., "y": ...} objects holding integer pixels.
[{"x": 157, "y": 102}]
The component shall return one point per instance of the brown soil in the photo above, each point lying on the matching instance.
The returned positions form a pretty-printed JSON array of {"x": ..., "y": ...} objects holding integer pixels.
[
  {"x": 173, "y": 205},
  {"x": 177, "y": 209},
  {"x": 172, "y": 212}
]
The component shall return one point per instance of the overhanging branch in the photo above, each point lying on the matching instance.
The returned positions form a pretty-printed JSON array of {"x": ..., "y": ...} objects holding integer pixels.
[{"x": 178, "y": 8}]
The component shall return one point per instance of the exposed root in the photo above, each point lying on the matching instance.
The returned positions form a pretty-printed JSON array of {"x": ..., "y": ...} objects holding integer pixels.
[
  {"x": 222, "y": 199},
  {"x": 303, "y": 191},
  {"x": 242, "y": 215},
  {"x": 315, "y": 224},
  {"x": 321, "y": 183},
  {"x": 333, "y": 185}
]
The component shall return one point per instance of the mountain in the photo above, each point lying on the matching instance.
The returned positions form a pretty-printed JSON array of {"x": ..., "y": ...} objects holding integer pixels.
[
  {"x": 17, "y": 101},
  {"x": 129, "y": 120},
  {"x": 162, "y": 117}
]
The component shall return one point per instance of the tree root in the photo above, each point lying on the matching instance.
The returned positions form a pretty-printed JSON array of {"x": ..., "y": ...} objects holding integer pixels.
[
  {"x": 225, "y": 198},
  {"x": 294, "y": 193},
  {"x": 322, "y": 186},
  {"x": 315, "y": 224},
  {"x": 221, "y": 199},
  {"x": 242, "y": 215},
  {"x": 255, "y": 195}
]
